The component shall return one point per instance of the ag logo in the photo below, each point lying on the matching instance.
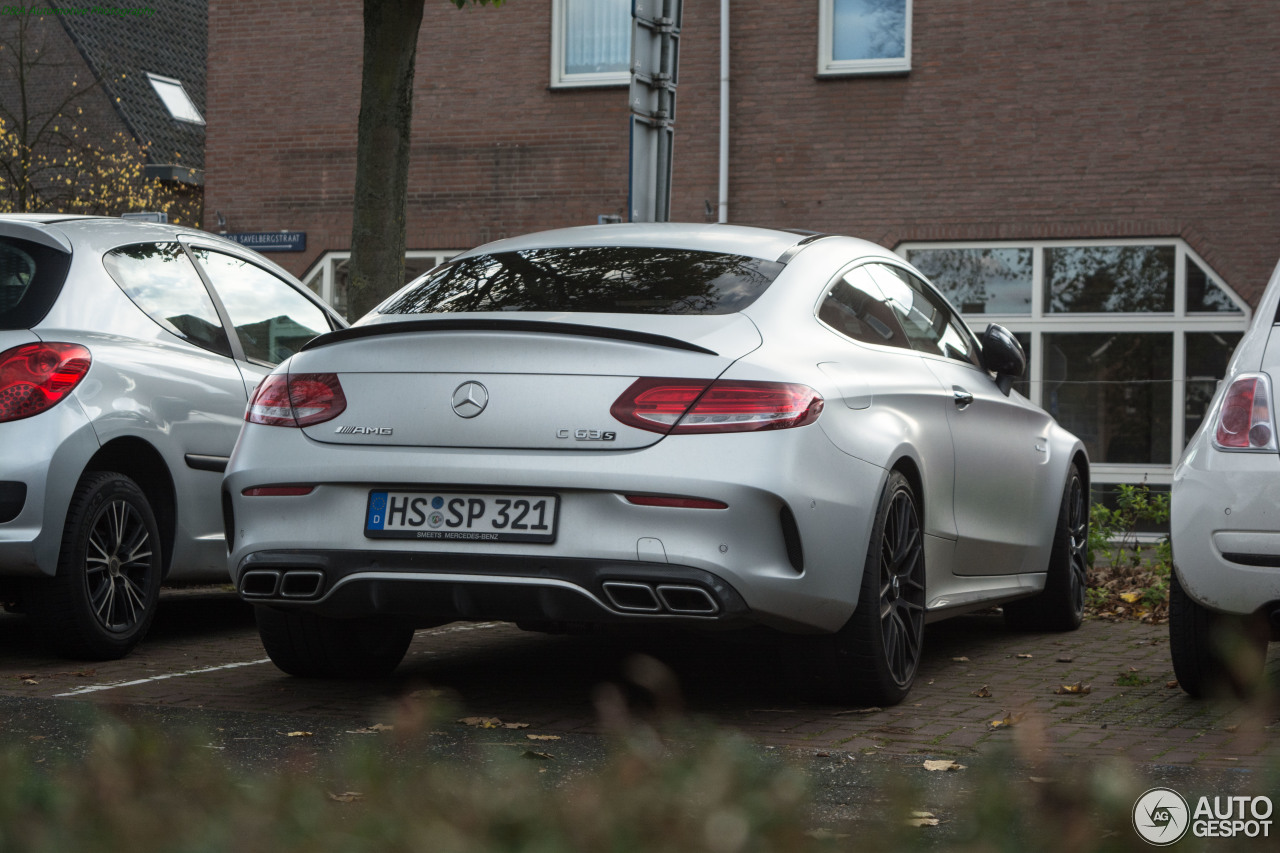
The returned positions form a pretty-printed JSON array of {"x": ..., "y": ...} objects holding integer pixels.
[{"x": 1161, "y": 816}]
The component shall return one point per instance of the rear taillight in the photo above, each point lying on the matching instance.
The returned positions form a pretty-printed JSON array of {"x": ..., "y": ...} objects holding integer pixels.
[
  {"x": 685, "y": 406},
  {"x": 1244, "y": 420},
  {"x": 34, "y": 377},
  {"x": 296, "y": 400}
]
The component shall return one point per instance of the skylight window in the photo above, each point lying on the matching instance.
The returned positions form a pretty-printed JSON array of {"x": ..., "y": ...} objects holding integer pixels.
[{"x": 175, "y": 98}]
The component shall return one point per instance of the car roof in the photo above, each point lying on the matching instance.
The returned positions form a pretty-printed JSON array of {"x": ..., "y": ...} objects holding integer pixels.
[{"x": 749, "y": 241}]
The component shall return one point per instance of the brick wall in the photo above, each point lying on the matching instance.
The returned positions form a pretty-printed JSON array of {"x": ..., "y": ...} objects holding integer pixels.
[{"x": 1020, "y": 119}]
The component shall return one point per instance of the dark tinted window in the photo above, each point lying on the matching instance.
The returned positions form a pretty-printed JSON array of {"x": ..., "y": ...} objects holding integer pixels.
[
  {"x": 161, "y": 280},
  {"x": 639, "y": 280},
  {"x": 31, "y": 278}
]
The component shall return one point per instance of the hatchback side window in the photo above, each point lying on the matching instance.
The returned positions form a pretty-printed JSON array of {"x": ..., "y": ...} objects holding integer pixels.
[
  {"x": 928, "y": 323},
  {"x": 161, "y": 280},
  {"x": 857, "y": 308},
  {"x": 271, "y": 318}
]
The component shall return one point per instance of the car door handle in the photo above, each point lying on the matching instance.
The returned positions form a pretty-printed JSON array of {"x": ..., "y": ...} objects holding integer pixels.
[{"x": 962, "y": 397}]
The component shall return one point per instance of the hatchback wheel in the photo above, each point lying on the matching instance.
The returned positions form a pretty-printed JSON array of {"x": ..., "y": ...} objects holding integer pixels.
[
  {"x": 1060, "y": 606},
  {"x": 873, "y": 659},
  {"x": 311, "y": 646},
  {"x": 103, "y": 598},
  {"x": 1214, "y": 652}
]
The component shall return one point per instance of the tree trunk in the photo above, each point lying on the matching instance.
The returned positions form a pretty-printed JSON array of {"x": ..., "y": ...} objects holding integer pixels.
[{"x": 382, "y": 152}]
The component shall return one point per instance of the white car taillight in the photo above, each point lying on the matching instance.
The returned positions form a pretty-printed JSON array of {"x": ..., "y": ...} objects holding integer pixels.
[
  {"x": 296, "y": 400},
  {"x": 34, "y": 377},
  {"x": 680, "y": 406},
  {"x": 1244, "y": 420}
]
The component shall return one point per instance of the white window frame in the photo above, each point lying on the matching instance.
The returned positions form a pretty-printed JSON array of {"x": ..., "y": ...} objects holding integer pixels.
[
  {"x": 1040, "y": 321},
  {"x": 829, "y": 67},
  {"x": 320, "y": 278},
  {"x": 561, "y": 79},
  {"x": 177, "y": 101}
]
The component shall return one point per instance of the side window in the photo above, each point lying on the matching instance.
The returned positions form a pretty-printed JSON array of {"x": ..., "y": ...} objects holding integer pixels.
[
  {"x": 928, "y": 323},
  {"x": 271, "y": 318},
  {"x": 161, "y": 281},
  {"x": 857, "y": 308}
]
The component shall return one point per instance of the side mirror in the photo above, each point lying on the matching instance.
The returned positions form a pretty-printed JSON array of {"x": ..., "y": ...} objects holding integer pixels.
[{"x": 1003, "y": 356}]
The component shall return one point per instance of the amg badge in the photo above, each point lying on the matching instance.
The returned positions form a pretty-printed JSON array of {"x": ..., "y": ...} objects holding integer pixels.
[
  {"x": 586, "y": 435},
  {"x": 363, "y": 430}
]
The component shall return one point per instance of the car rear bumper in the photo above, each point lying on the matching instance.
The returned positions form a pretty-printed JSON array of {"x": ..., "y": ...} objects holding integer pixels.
[
  {"x": 788, "y": 551},
  {"x": 1225, "y": 530}
]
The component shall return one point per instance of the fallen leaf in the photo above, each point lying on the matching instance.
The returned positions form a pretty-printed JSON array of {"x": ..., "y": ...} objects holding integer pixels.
[
  {"x": 944, "y": 764},
  {"x": 1079, "y": 688},
  {"x": 1133, "y": 669},
  {"x": 347, "y": 797},
  {"x": 982, "y": 692},
  {"x": 1171, "y": 684},
  {"x": 1130, "y": 597},
  {"x": 922, "y": 819},
  {"x": 37, "y": 737},
  {"x": 29, "y": 681},
  {"x": 1010, "y": 719},
  {"x": 961, "y": 660},
  {"x": 1233, "y": 729},
  {"x": 539, "y": 756},
  {"x": 299, "y": 734},
  {"x": 481, "y": 722},
  {"x": 1024, "y": 657},
  {"x": 515, "y": 725},
  {"x": 543, "y": 737}
]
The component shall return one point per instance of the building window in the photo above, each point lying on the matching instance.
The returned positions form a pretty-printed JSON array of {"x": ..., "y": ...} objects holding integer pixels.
[
  {"x": 1126, "y": 339},
  {"x": 590, "y": 42},
  {"x": 330, "y": 276},
  {"x": 175, "y": 98},
  {"x": 864, "y": 36}
]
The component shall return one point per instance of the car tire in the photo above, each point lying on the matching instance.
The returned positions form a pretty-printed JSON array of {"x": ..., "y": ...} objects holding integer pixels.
[
  {"x": 103, "y": 598},
  {"x": 1060, "y": 606},
  {"x": 873, "y": 659},
  {"x": 310, "y": 646},
  {"x": 1214, "y": 653}
]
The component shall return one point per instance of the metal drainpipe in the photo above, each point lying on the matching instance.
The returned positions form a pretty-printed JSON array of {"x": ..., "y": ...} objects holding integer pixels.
[{"x": 724, "y": 112}]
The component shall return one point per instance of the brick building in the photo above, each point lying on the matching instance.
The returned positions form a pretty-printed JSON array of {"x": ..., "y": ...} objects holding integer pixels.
[{"x": 1098, "y": 176}]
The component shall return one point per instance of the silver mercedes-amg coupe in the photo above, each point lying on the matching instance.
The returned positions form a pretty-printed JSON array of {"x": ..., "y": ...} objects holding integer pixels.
[{"x": 709, "y": 425}]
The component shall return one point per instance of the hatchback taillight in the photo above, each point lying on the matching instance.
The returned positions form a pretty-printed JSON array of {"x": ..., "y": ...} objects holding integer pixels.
[
  {"x": 296, "y": 400},
  {"x": 1244, "y": 419},
  {"x": 682, "y": 406},
  {"x": 34, "y": 377}
]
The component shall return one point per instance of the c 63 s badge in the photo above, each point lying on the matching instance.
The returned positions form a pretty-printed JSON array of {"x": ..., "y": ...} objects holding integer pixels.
[{"x": 586, "y": 435}]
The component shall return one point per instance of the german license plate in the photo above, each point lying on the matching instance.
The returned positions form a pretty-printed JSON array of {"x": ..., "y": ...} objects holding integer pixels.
[{"x": 461, "y": 516}]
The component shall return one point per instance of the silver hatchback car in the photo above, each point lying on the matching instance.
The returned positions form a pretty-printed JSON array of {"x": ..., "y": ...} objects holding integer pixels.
[
  {"x": 127, "y": 354},
  {"x": 710, "y": 426}
]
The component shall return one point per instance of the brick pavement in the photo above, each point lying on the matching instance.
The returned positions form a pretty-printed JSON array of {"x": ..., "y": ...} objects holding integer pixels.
[{"x": 204, "y": 653}]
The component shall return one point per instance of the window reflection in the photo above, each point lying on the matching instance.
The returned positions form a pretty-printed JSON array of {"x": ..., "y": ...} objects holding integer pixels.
[
  {"x": 1203, "y": 296},
  {"x": 868, "y": 29},
  {"x": 1109, "y": 279},
  {"x": 979, "y": 281},
  {"x": 160, "y": 280},
  {"x": 272, "y": 320},
  {"x": 614, "y": 280},
  {"x": 1207, "y": 356},
  {"x": 1114, "y": 391}
]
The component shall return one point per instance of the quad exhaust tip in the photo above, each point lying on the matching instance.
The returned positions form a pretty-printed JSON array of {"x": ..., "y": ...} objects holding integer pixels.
[
  {"x": 295, "y": 584},
  {"x": 679, "y": 600}
]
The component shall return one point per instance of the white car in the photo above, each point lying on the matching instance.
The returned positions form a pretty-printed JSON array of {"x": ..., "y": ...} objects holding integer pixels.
[
  {"x": 128, "y": 351},
  {"x": 1224, "y": 596},
  {"x": 712, "y": 426}
]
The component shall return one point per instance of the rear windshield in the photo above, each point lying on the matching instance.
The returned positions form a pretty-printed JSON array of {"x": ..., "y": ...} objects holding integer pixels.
[
  {"x": 31, "y": 277},
  {"x": 613, "y": 280}
]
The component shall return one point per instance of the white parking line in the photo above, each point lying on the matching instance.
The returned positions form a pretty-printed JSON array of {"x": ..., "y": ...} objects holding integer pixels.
[{"x": 95, "y": 688}]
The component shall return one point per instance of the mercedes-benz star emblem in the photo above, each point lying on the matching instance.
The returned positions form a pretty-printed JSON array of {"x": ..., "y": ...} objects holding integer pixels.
[{"x": 469, "y": 399}]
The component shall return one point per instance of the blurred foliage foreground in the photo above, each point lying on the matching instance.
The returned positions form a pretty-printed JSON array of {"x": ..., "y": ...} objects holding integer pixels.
[{"x": 682, "y": 788}]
